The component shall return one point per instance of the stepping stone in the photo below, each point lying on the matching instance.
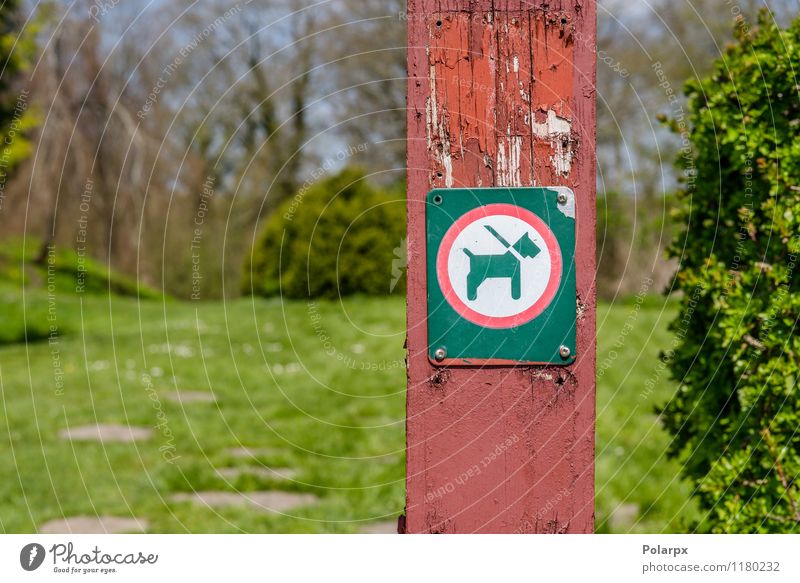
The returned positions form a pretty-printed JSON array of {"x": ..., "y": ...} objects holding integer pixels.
[
  {"x": 384, "y": 527},
  {"x": 190, "y": 397},
  {"x": 267, "y": 501},
  {"x": 249, "y": 452},
  {"x": 258, "y": 471},
  {"x": 93, "y": 525},
  {"x": 623, "y": 517},
  {"x": 106, "y": 433}
]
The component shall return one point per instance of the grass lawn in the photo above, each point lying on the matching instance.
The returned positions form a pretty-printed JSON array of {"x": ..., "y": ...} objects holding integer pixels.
[
  {"x": 316, "y": 388},
  {"x": 638, "y": 488}
]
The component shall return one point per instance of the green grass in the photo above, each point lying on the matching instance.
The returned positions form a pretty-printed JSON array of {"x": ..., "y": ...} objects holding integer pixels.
[
  {"x": 289, "y": 381},
  {"x": 61, "y": 272},
  {"x": 638, "y": 488}
]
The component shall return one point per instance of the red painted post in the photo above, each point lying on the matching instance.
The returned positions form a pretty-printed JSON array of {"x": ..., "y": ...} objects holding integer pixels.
[{"x": 501, "y": 93}]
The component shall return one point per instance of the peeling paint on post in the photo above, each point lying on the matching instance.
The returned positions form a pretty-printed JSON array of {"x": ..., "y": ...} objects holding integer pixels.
[{"x": 501, "y": 94}]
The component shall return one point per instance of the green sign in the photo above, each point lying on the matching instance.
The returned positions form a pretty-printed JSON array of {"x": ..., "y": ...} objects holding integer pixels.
[{"x": 501, "y": 276}]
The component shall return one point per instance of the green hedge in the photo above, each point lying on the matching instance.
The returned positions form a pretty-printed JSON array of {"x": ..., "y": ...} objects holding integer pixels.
[
  {"x": 337, "y": 237},
  {"x": 735, "y": 417}
]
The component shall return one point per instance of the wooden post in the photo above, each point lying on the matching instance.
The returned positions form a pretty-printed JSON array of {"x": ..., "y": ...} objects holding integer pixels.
[{"x": 501, "y": 93}]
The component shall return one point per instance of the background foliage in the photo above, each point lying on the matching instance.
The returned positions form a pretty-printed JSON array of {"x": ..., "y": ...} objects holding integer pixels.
[
  {"x": 17, "y": 48},
  {"x": 735, "y": 417},
  {"x": 338, "y": 237},
  {"x": 155, "y": 115}
]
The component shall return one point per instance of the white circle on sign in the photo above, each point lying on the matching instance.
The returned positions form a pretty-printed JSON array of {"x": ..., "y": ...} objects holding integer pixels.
[{"x": 499, "y": 266}]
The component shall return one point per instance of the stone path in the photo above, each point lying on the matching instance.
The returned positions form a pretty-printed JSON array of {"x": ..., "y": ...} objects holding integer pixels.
[
  {"x": 383, "y": 527},
  {"x": 190, "y": 397},
  {"x": 258, "y": 471},
  {"x": 250, "y": 452},
  {"x": 106, "y": 432},
  {"x": 93, "y": 525},
  {"x": 623, "y": 517},
  {"x": 267, "y": 501}
]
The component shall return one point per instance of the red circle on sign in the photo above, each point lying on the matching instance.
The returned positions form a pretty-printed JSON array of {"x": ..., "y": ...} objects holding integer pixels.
[{"x": 499, "y": 321}]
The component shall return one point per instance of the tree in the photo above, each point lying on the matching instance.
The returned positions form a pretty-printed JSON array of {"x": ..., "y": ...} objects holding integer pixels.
[
  {"x": 734, "y": 418},
  {"x": 683, "y": 37},
  {"x": 367, "y": 81},
  {"x": 152, "y": 122},
  {"x": 17, "y": 47}
]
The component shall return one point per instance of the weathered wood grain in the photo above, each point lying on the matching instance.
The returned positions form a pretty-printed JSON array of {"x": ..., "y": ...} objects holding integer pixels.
[{"x": 501, "y": 94}]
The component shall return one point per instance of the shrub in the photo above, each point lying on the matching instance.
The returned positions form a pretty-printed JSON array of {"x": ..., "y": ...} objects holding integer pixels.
[
  {"x": 339, "y": 236},
  {"x": 20, "y": 322},
  {"x": 734, "y": 418}
]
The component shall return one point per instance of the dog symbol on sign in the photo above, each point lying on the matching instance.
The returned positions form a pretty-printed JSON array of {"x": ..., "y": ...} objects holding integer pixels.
[
  {"x": 498, "y": 266},
  {"x": 506, "y": 265}
]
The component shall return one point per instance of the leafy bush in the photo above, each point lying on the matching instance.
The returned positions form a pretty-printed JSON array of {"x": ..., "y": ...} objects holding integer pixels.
[
  {"x": 339, "y": 236},
  {"x": 735, "y": 419}
]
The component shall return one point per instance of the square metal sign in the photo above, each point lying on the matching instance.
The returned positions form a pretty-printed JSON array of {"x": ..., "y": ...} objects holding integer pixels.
[{"x": 501, "y": 276}]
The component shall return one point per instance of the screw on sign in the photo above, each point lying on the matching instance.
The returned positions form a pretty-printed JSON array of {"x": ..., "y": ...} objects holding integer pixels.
[{"x": 501, "y": 339}]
